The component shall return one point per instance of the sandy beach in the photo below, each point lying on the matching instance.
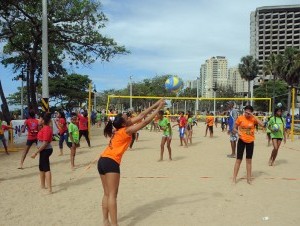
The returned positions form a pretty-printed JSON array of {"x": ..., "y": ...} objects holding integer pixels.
[{"x": 193, "y": 189}]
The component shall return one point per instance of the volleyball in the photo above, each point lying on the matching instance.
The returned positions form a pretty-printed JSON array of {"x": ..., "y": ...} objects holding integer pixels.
[
  {"x": 173, "y": 84},
  {"x": 279, "y": 105},
  {"x": 275, "y": 127}
]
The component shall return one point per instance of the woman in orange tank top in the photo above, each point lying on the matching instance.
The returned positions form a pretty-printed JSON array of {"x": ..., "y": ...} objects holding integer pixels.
[
  {"x": 110, "y": 159},
  {"x": 245, "y": 127}
]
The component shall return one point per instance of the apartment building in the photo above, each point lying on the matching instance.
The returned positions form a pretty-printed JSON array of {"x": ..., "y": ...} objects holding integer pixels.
[
  {"x": 239, "y": 85},
  {"x": 272, "y": 30},
  {"x": 213, "y": 73}
]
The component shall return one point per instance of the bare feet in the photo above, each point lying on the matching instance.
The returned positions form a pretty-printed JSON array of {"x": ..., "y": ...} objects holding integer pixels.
[
  {"x": 106, "y": 223},
  {"x": 249, "y": 181},
  {"x": 231, "y": 156}
]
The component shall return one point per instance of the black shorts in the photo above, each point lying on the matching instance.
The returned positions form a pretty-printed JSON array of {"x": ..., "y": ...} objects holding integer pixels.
[
  {"x": 277, "y": 139},
  {"x": 211, "y": 129},
  {"x": 108, "y": 165},
  {"x": 44, "y": 164},
  {"x": 69, "y": 144},
  {"x": 241, "y": 145},
  {"x": 30, "y": 142}
]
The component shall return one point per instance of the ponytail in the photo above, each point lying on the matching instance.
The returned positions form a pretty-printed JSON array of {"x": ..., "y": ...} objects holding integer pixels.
[
  {"x": 117, "y": 123},
  {"x": 108, "y": 129}
]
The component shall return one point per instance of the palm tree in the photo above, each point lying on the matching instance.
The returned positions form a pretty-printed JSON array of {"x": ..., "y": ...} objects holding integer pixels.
[
  {"x": 291, "y": 59},
  {"x": 248, "y": 69},
  {"x": 274, "y": 66}
]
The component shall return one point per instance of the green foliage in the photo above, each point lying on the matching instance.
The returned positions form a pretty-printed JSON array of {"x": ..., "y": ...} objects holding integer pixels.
[
  {"x": 73, "y": 36},
  {"x": 266, "y": 90},
  {"x": 248, "y": 69},
  {"x": 69, "y": 91},
  {"x": 291, "y": 65}
]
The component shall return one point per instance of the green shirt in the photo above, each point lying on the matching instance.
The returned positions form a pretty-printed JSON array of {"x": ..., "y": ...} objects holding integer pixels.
[
  {"x": 165, "y": 126},
  {"x": 98, "y": 116},
  {"x": 280, "y": 122},
  {"x": 73, "y": 129}
]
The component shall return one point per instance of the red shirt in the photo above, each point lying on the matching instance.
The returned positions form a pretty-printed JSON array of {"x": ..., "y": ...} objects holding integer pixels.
[
  {"x": 182, "y": 122},
  {"x": 45, "y": 134},
  {"x": 32, "y": 125},
  {"x": 83, "y": 122},
  {"x": 62, "y": 125}
]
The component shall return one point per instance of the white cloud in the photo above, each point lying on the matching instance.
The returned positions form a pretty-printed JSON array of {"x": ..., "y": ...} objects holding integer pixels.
[
  {"x": 173, "y": 37},
  {"x": 178, "y": 36}
]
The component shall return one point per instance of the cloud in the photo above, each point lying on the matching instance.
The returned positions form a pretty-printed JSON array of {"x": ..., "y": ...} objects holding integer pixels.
[
  {"x": 173, "y": 37},
  {"x": 176, "y": 37}
]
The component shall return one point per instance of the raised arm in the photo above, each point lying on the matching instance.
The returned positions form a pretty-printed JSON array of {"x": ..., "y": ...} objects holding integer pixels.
[
  {"x": 135, "y": 127},
  {"x": 258, "y": 121},
  {"x": 144, "y": 113}
]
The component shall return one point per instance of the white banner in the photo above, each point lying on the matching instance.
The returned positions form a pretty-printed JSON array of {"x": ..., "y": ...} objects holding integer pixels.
[{"x": 19, "y": 137}]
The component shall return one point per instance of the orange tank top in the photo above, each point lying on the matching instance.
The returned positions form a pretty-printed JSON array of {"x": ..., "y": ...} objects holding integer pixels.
[
  {"x": 117, "y": 145},
  {"x": 246, "y": 128}
]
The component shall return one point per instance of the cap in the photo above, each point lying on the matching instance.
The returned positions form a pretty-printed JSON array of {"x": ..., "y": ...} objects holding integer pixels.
[{"x": 230, "y": 102}]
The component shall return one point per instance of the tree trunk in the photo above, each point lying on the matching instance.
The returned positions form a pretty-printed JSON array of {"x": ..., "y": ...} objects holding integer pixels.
[
  {"x": 28, "y": 86},
  {"x": 32, "y": 90},
  {"x": 4, "y": 106}
]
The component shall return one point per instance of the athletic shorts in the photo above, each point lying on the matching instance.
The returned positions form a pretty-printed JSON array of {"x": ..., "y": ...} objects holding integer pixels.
[
  {"x": 277, "y": 139},
  {"x": 211, "y": 129},
  {"x": 69, "y": 144},
  {"x": 168, "y": 136},
  {"x": 241, "y": 145},
  {"x": 181, "y": 132},
  {"x": 30, "y": 142},
  {"x": 44, "y": 162},
  {"x": 233, "y": 136},
  {"x": 108, "y": 165},
  {"x": 2, "y": 137}
]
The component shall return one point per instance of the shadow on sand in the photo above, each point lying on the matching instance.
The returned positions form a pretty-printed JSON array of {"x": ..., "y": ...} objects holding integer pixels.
[{"x": 142, "y": 212}]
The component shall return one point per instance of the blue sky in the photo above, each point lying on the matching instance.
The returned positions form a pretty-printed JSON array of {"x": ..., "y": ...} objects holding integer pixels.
[{"x": 168, "y": 37}]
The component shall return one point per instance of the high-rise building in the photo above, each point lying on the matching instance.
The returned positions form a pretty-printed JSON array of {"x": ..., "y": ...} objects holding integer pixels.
[
  {"x": 213, "y": 73},
  {"x": 239, "y": 85},
  {"x": 272, "y": 30}
]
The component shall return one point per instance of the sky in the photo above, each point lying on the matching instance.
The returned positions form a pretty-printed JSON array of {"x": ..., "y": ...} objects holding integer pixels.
[{"x": 167, "y": 37}]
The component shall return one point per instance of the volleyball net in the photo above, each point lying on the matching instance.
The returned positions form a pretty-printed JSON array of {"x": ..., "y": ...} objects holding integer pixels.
[{"x": 177, "y": 104}]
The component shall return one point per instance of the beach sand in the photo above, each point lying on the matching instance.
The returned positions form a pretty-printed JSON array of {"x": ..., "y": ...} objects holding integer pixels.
[{"x": 193, "y": 189}]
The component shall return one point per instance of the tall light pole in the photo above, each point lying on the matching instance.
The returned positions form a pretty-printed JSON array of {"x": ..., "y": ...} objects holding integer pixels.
[
  {"x": 45, "y": 86},
  {"x": 197, "y": 101},
  {"x": 130, "y": 91},
  {"x": 215, "y": 90}
]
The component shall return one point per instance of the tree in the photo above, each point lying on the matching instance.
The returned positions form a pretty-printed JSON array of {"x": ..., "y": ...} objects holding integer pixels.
[
  {"x": 291, "y": 63},
  {"x": 4, "y": 106},
  {"x": 73, "y": 35},
  {"x": 69, "y": 91},
  {"x": 266, "y": 89},
  {"x": 274, "y": 66},
  {"x": 248, "y": 69}
]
